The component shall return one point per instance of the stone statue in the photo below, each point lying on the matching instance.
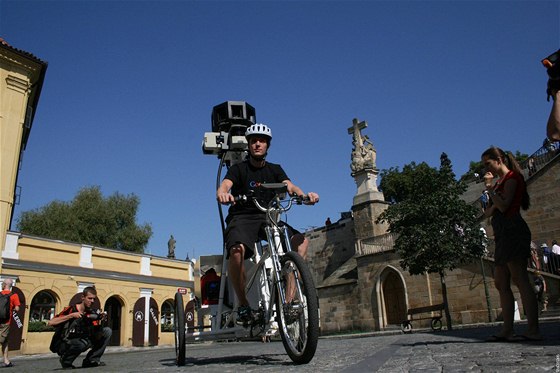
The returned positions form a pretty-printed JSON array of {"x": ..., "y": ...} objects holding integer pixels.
[
  {"x": 171, "y": 247},
  {"x": 363, "y": 154}
]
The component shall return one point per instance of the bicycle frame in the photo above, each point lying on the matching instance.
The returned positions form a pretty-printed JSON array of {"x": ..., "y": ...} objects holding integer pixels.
[{"x": 222, "y": 316}]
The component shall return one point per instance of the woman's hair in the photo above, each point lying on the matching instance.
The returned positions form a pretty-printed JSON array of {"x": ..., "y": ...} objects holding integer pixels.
[{"x": 509, "y": 160}]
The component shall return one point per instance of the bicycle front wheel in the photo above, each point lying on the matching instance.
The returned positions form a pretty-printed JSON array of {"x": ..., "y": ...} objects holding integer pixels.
[{"x": 298, "y": 318}]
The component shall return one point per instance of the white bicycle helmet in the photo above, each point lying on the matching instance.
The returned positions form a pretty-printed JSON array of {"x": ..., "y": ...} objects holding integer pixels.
[{"x": 258, "y": 129}]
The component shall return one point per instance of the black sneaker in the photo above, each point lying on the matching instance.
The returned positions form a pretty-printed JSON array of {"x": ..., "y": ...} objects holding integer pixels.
[
  {"x": 244, "y": 315},
  {"x": 92, "y": 364},
  {"x": 66, "y": 366}
]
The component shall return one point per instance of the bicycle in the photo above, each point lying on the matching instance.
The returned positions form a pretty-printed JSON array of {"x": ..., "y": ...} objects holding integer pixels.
[{"x": 280, "y": 288}]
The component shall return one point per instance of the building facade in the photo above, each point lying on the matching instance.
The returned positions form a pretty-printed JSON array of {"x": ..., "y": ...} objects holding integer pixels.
[
  {"x": 136, "y": 290},
  {"x": 21, "y": 81}
]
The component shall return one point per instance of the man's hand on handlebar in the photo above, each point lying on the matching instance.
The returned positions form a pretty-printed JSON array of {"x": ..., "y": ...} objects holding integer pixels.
[
  {"x": 225, "y": 198},
  {"x": 311, "y": 198}
]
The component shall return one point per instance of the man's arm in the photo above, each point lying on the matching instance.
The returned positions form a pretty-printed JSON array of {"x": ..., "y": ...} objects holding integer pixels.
[
  {"x": 222, "y": 194},
  {"x": 62, "y": 318},
  {"x": 294, "y": 189},
  {"x": 15, "y": 302}
]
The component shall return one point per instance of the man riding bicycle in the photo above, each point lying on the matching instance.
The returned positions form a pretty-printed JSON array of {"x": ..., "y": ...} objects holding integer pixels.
[{"x": 245, "y": 221}]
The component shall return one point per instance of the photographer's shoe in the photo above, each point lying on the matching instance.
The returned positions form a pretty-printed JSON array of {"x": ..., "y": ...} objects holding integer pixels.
[
  {"x": 244, "y": 315},
  {"x": 92, "y": 364},
  {"x": 64, "y": 365}
]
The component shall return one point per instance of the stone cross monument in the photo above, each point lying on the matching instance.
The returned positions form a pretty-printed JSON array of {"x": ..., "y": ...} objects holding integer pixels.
[
  {"x": 364, "y": 169},
  {"x": 368, "y": 202}
]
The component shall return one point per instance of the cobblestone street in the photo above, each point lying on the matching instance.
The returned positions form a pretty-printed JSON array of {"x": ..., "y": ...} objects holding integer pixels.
[{"x": 460, "y": 350}]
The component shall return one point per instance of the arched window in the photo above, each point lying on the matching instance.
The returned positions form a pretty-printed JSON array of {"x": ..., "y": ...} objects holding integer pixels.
[
  {"x": 43, "y": 306},
  {"x": 167, "y": 316}
]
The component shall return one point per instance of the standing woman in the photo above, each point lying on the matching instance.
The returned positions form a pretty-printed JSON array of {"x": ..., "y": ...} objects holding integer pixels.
[{"x": 513, "y": 241}]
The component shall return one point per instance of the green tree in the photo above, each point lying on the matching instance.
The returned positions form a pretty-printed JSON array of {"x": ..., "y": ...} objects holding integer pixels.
[
  {"x": 90, "y": 218},
  {"x": 436, "y": 230}
]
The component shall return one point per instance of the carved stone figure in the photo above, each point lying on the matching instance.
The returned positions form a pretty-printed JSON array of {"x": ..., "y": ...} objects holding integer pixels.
[
  {"x": 171, "y": 247},
  {"x": 364, "y": 153}
]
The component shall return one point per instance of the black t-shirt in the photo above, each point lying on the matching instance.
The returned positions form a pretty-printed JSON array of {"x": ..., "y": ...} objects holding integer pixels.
[{"x": 245, "y": 178}]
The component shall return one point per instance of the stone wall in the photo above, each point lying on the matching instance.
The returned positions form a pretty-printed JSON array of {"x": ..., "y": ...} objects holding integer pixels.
[
  {"x": 465, "y": 291},
  {"x": 338, "y": 308},
  {"x": 543, "y": 216},
  {"x": 329, "y": 248},
  {"x": 365, "y": 215}
]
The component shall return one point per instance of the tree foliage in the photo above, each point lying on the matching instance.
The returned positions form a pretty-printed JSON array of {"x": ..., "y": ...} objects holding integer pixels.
[
  {"x": 90, "y": 218},
  {"x": 436, "y": 230}
]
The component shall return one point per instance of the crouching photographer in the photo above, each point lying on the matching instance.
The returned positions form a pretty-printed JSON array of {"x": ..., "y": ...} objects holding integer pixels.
[{"x": 79, "y": 328}]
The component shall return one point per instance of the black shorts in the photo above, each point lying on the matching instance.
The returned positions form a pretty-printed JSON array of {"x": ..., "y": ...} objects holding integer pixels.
[{"x": 248, "y": 229}]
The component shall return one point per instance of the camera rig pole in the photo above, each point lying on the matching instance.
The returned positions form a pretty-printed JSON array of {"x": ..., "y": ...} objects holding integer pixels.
[{"x": 227, "y": 140}]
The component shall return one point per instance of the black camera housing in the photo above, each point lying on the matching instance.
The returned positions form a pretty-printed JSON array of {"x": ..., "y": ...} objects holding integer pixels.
[
  {"x": 552, "y": 65},
  {"x": 232, "y": 113}
]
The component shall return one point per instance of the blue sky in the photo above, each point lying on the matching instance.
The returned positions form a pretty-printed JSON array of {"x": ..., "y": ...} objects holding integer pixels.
[{"x": 131, "y": 84}]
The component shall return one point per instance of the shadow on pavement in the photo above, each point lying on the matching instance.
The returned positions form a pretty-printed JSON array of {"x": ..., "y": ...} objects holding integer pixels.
[{"x": 550, "y": 330}]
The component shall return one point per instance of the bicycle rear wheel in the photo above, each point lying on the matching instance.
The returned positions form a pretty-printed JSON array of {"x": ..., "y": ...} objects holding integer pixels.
[
  {"x": 298, "y": 319},
  {"x": 179, "y": 323}
]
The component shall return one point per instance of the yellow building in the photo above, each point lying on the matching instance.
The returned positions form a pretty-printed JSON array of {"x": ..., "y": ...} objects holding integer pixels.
[
  {"x": 136, "y": 290},
  {"x": 21, "y": 80}
]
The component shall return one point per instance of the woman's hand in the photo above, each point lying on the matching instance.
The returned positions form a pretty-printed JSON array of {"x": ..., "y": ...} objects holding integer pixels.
[{"x": 488, "y": 177}]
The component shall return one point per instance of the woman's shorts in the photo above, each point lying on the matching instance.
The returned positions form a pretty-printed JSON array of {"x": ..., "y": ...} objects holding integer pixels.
[
  {"x": 512, "y": 237},
  {"x": 248, "y": 229}
]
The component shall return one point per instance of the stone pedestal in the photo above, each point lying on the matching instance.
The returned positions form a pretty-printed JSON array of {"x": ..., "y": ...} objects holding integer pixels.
[
  {"x": 366, "y": 181},
  {"x": 368, "y": 204}
]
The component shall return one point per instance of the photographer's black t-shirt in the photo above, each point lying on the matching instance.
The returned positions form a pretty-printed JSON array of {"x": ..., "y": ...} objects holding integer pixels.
[{"x": 245, "y": 178}]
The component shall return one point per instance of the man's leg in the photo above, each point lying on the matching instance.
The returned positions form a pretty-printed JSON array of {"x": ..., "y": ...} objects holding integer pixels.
[
  {"x": 236, "y": 272},
  {"x": 5, "y": 352},
  {"x": 301, "y": 243},
  {"x": 4, "y": 332},
  {"x": 71, "y": 349},
  {"x": 100, "y": 340}
]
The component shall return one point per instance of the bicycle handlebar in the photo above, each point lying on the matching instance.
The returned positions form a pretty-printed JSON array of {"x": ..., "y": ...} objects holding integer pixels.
[{"x": 279, "y": 189}]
